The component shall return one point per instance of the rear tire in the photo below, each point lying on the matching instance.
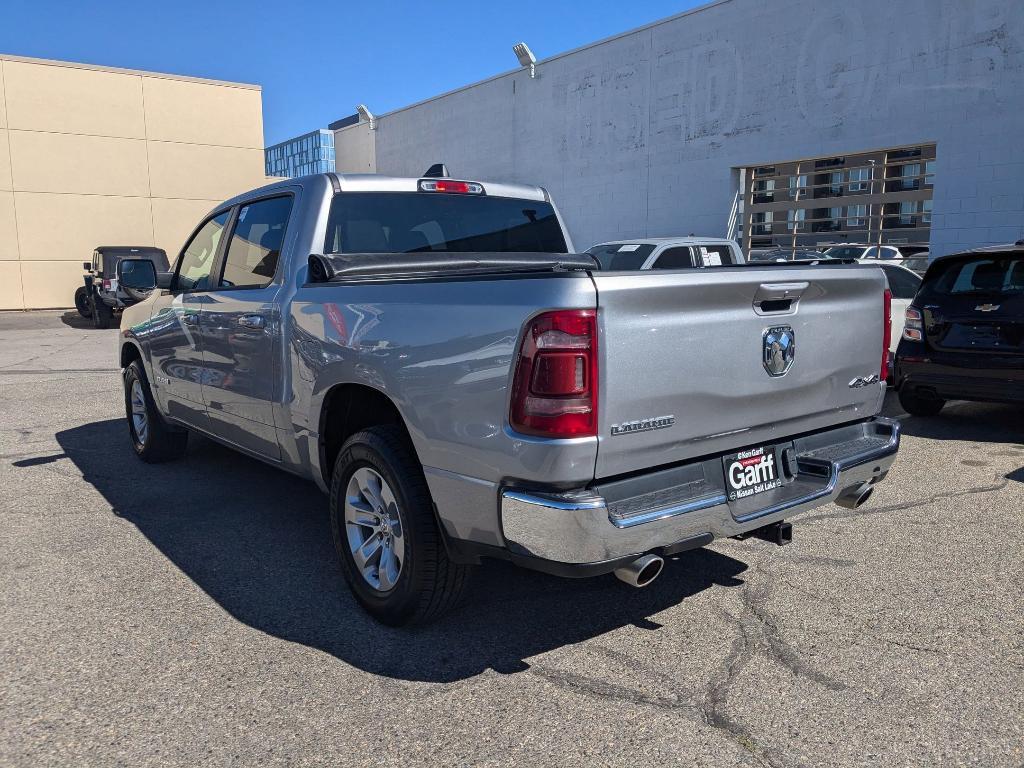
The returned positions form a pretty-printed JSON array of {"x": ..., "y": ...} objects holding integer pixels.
[
  {"x": 916, "y": 405},
  {"x": 101, "y": 313},
  {"x": 396, "y": 508},
  {"x": 153, "y": 439},
  {"x": 82, "y": 303}
]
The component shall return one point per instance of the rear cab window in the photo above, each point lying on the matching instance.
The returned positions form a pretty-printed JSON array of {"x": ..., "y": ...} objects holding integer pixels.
[
  {"x": 621, "y": 257},
  {"x": 419, "y": 222}
]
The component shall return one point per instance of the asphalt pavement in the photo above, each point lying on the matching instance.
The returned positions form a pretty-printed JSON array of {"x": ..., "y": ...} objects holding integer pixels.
[{"x": 194, "y": 612}]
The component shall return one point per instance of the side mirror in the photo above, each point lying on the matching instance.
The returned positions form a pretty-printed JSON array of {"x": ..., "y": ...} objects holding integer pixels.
[
  {"x": 163, "y": 280},
  {"x": 86, "y": 265},
  {"x": 137, "y": 277}
]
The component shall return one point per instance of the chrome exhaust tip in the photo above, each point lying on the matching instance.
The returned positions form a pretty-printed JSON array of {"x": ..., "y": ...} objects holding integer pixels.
[
  {"x": 641, "y": 571},
  {"x": 855, "y": 495}
]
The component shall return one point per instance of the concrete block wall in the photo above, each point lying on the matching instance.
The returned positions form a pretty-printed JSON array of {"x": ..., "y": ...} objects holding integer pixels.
[
  {"x": 92, "y": 156},
  {"x": 641, "y": 134}
]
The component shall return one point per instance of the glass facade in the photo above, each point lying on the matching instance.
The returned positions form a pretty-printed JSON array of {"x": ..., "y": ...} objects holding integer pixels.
[{"x": 301, "y": 156}]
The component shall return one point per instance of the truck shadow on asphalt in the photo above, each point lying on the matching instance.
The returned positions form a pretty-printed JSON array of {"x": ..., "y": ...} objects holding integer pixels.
[
  {"x": 257, "y": 540},
  {"x": 970, "y": 422}
]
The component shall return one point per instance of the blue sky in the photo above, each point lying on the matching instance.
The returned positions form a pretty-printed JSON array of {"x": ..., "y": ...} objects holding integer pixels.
[{"x": 317, "y": 60}]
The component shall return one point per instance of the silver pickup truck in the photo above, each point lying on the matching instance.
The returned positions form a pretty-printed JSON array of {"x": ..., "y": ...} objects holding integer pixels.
[{"x": 434, "y": 356}]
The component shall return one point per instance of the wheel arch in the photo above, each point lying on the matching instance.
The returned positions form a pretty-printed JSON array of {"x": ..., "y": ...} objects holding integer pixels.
[
  {"x": 349, "y": 408},
  {"x": 130, "y": 352}
]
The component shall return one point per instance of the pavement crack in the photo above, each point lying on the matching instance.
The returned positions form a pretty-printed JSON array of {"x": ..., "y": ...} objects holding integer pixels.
[
  {"x": 590, "y": 686},
  {"x": 775, "y": 645},
  {"x": 1000, "y": 483}
]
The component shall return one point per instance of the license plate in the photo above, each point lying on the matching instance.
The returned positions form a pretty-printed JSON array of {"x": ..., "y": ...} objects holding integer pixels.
[{"x": 750, "y": 472}]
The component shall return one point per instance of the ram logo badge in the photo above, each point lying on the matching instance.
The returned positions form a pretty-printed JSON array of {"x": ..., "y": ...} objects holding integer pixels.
[
  {"x": 643, "y": 425},
  {"x": 778, "y": 348}
]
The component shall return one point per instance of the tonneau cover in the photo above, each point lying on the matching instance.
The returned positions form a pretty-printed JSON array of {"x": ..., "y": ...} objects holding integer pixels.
[{"x": 335, "y": 267}]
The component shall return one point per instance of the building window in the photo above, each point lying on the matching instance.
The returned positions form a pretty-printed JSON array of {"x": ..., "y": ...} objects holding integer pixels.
[
  {"x": 859, "y": 179},
  {"x": 855, "y": 215},
  {"x": 761, "y": 223},
  {"x": 797, "y": 184},
  {"x": 764, "y": 190},
  {"x": 836, "y": 183},
  {"x": 926, "y": 211},
  {"x": 909, "y": 174},
  {"x": 795, "y": 219}
]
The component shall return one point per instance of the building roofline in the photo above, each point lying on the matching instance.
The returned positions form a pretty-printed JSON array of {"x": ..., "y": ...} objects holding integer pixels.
[
  {"x": 123, "y": 71},
  {"x": 541, "y": 62},
  {"x": 300, "y": 136}
]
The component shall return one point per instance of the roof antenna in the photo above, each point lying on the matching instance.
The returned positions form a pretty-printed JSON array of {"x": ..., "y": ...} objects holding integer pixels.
[{"x": 437, "y": 171}]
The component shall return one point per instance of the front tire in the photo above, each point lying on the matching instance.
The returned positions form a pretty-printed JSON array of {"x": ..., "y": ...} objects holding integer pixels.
[
  {"x": 153, "y": 439},
  {"x": 386, "y": 534},
  {"x": 916, "y": 405},
  {"x": 82, "y": 303}
]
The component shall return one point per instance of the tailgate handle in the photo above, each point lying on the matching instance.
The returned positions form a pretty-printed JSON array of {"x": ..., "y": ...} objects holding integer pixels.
[{"x": 776, "y": 298}]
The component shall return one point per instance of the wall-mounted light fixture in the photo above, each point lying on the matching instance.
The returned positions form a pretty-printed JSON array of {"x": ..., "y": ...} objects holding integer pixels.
[
  {"x": 367, "y": 115},
  {"x": 526, "y": 57}
]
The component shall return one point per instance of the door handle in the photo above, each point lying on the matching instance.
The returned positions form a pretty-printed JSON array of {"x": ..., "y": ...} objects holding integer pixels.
[
  {"x": 255, "y": 322},
  {"x": 781, "y": 298}
]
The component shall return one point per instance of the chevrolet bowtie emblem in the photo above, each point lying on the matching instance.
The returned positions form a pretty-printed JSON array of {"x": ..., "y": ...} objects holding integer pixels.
[{"x": 987, "y": 307}]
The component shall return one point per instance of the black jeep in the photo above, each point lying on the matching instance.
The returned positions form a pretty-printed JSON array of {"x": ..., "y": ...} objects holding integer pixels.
[{"x": 103, "y": 293}]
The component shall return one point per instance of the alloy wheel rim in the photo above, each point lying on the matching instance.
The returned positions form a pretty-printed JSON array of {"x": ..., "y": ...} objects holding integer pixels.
[
  {"x": 373, "y": 527},
  {"x": 140, "y": 417}
]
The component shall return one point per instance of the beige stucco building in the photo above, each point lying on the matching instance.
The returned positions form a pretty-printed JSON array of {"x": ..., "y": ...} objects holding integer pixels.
[{"x": 100, "y": 156}]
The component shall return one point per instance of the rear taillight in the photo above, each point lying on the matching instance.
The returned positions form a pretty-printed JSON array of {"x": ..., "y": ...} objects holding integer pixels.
[
  {"x": 886, "y": 335},
  {"x": 913, "y": 325},
  {"x": 554, "y": 391}
]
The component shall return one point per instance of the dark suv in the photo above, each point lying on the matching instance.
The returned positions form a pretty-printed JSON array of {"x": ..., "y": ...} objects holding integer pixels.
[
  {"x": 102, "y": 295},
  {"x": 963, "y": 337}
]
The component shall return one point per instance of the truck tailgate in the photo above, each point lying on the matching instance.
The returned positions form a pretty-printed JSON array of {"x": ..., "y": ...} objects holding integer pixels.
[{"x": 683, "y": 368}]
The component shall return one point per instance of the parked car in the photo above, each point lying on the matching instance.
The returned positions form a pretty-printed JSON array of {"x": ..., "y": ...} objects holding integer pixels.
[
  {"x": 666, "y": 253},
  {"x": 918, "y": 263},
  {"x": 761, "y": 255},
  {"x": 103, "y": 295},
  {"x": 963, "y": 336},
  {"x": 903, "y": 285},
  {"x": 433, "y": 355},
  {"x": 860, "y": 251}
]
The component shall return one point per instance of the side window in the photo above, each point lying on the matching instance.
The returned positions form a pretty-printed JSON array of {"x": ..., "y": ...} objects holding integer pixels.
[
  {"x": 890, "y": 253},
  {"x": 902, "y": 285},
  {"x": 255, "y": 245},
  {"x": 196, "y": 262},
  {"x": 674, "y": 258},
  {"x": 714, "y": 255}
]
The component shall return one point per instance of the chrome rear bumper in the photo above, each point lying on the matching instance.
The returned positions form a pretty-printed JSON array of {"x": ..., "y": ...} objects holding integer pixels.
[{"x": 577, "y": 527}]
